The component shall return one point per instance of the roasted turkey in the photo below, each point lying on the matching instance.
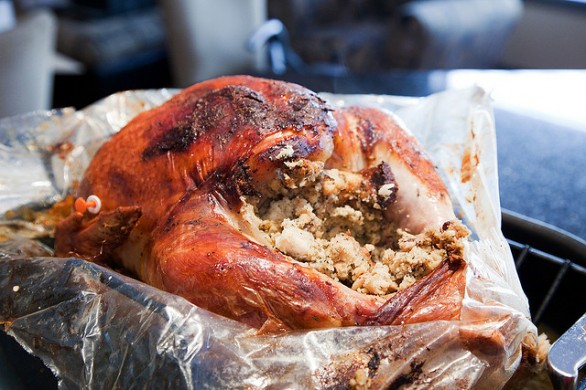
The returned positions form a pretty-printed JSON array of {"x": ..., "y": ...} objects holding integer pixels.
[{"x": 229, "y": 193}]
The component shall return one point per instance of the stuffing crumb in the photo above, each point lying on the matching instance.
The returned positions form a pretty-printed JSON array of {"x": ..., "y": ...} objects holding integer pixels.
[
  {"x": 295, "y": 242},
  {"x": 285, "y": 152},
  {"x": 544, "y": 346},
  {"x": 360, "y": 380},
  {"x": 334, "y": 221},
  {"x": 386, "y": 191}
]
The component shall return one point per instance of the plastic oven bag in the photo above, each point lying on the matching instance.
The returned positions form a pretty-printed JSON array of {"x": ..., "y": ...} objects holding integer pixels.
[{"x": 96, "y": 328}]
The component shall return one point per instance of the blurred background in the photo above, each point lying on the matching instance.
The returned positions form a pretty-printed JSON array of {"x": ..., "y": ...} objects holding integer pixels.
[{"x": 59, "y": 53}]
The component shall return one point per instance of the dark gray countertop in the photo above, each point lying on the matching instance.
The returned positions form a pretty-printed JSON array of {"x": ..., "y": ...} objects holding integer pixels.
[{"x": 542, "y": 170}]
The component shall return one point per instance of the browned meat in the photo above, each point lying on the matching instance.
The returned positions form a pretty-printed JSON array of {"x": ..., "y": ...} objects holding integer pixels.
[
  {"x": 176, "y": 180},
  {"x": 96, "y": 239}
]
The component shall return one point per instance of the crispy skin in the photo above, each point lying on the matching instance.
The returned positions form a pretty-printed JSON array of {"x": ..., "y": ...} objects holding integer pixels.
[
  {"x": 436, "y": 297},
  {"x": 366, "y": 137},
  {"x": 185, "y": 166},
  {"x": 96, "y": 239}
]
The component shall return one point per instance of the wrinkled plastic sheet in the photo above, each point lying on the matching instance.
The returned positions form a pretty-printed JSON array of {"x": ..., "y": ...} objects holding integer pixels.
[{"x": 96, "y": 328}]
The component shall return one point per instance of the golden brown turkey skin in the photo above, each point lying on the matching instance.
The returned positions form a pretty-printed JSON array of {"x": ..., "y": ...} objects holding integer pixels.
[
  {"x": 172, "y": 181},
  {"x": 366, "y": 137}
]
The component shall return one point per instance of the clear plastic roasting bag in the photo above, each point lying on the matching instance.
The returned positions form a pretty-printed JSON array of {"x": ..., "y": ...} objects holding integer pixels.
[{"x": 98, "y": 329}]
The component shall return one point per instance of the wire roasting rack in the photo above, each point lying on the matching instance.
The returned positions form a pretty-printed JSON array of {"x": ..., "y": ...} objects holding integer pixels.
[{"x": 552, "y": 268}]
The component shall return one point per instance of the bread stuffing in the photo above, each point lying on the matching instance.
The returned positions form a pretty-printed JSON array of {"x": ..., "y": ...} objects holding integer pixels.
[{"x": 334, "y": 223}]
